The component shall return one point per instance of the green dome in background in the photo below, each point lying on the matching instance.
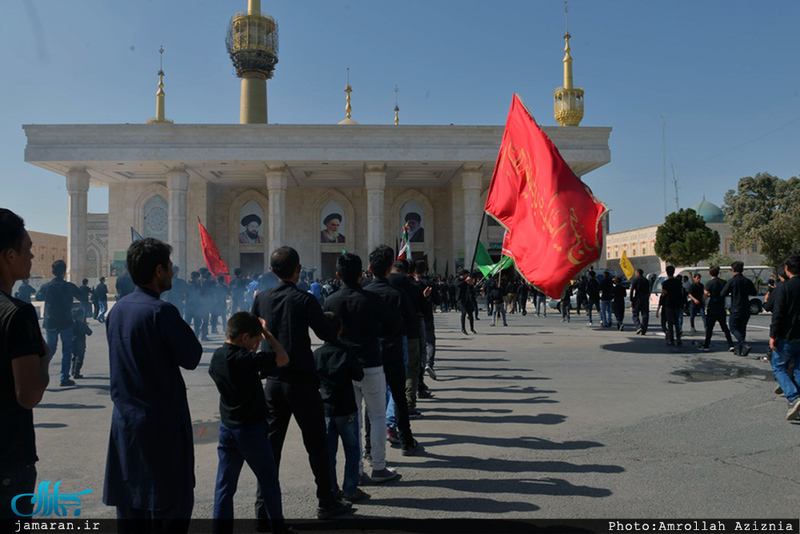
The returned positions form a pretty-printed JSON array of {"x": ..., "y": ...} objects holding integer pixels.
[{"x": 709, "y": 212}]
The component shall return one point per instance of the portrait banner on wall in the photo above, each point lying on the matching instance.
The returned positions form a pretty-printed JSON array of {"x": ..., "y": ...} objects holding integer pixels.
[
  {"x": 411, "y": 215},
  {"x": 333, "y": 224},
  {"x": 251, "y": 229}
]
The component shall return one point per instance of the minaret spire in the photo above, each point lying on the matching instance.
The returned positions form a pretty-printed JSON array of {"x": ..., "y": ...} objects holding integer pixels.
[
  {"x": 160, "y": 95},
  {"x": 348, "y": 108},
  {"x": 568, "y": 100},
  {"x": 396, "y": 107}
]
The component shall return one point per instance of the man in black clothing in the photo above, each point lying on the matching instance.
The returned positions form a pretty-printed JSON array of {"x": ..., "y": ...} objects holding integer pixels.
[
  {"x": 593, "y": 295},
  {"x": 57, "y": 295},
  {"x": 696, "y": 306},
  {"x": 364, "y": 315},
  {"x": 784, "y": 334},
  {"x": 640, "y": 302},
  {"x": 294, "y": 389},
  {"x": 413, "y": 300},
  {"x": 606, "y": 297},
  {"x": 464, "y": 300},
  {"x": 391, "y": 342},
  {"x": 715, "y": 304},
  {"x": 672, "y": 290},
  {"x": 740, "y": 289},
  {"x": 23, "y": 370}
]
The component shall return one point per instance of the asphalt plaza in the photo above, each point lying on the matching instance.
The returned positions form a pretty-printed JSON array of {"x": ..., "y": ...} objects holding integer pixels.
[{"x": 537, "y": 420}]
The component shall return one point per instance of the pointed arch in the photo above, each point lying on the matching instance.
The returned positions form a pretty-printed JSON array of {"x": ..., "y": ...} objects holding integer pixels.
[
  {"x": 153, "y": 190},
  {"x": 429, "y": 217}
]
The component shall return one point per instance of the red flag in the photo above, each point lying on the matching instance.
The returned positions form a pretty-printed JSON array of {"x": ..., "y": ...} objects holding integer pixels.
[
  {"x": 553, "y": 220},
  {"x": 216, "y": 265}
]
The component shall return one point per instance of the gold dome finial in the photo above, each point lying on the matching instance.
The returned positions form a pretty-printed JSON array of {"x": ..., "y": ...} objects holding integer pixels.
[
  {"x": 160, "y": 95},
  {"x": 348, "y": 108},
  {"x": 568, "y": 100},
  {"x": 396, "y": 107}
]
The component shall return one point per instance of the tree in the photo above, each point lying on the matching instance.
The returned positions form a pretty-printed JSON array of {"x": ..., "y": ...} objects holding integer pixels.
[
  {"x": 684, "y": 239},
  {"x": 765, "y": 211},
  {"x": 719, "y": 259}
]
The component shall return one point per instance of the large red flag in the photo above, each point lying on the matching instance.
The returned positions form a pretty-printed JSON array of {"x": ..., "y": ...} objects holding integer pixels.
[
  {"x": 553, "y": 220},
  {"x": 216, "y": 265}
]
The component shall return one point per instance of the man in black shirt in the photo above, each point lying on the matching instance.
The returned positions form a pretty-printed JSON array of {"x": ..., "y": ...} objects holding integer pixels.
[
  {"x": 784, "y": 334},
  {"x": 23, "y": 370},
  {"x": 294, "y": 389},
  {"x": 696, "y": 306},
  {"x": 593, "y": 295},
  {"x": 640, "y": 302},
  {"x": 391, "y": 341},
  {"x": 716, "y": 308},
  {"x": 464, "y": 300},
  {"x": 672, "y": 290},
  {"x": 57, "y": 295},
  {"x": 740, "y": 290},
  {"x": 606, "y": 297},
  {"x": 364, "y": 315}
]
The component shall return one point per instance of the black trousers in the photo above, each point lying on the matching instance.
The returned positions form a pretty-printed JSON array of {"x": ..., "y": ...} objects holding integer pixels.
[
  {"x": 395, "y": 372},
  {"x": 673, "y": 326},
  {"x": 738, "y": 325},
  {"x": 304, "y": 402},
  {"x": 716, "y": 317},
  {"x": 466, "y": 312}
]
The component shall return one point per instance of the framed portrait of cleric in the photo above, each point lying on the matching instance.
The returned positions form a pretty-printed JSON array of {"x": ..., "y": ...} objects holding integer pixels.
[
  {"x": 332, "y": 229},
  {"x": 411, "y": 214},
  {"x": 251, "y": 224}
]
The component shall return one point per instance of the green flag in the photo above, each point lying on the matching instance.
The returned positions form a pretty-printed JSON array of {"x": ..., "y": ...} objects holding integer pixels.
[
  {"x": 494, "y": 268},
  {"x": 482, "y": 256}
]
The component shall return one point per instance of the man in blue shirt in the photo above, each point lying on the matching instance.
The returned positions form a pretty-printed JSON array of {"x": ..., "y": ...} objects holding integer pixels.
[
  {"x": 57, "y": 295},
  {"x": 150, "y": 464}
]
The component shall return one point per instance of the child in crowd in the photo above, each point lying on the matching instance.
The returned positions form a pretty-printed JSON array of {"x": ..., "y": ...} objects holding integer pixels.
[
  {"x": 337, "y": 368},
  {"x": 243, "y": 431},
  {"x": 79, "y": 332}
]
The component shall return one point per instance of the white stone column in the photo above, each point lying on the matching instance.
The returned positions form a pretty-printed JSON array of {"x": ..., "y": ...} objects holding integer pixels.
[
  {"x": 277, "y": 181},
  {"x": 78, "y": 192},
  {"x": 471, "y": 183},
  {"x": 375, "y": 182},
  {"x": 178, "y": 185}
]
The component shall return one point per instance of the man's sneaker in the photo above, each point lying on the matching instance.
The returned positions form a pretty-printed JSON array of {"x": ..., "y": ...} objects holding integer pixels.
[
  {"x": 430, "y": 372},
  {"x": 383, "y": 475},
  {"x": 424, "y": 394},
  {"x": 410, "y": 449},
  {"x": 391, "y": 436},
  {"x": 794, "y": 410},
  {"x": 778, "y": 390},
  {"x": 638, "y": 331},
  {"x": 77, "y": 375},
  {"x": 731, "y": 349},
  {"x": 746, "y": 350},
  {"x": 338, "y": 508},
  {"x": 67, "y": 382},
  {"x": 704, "y": 349},
  {"x": 413, "y": 413},
  {"x": 464, "y": 332},
  {"x": 473, "y": 330},
  {"x": 357, "y": 495}
]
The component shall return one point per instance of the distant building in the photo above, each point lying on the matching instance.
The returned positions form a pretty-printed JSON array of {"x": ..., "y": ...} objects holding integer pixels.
[
  {"x": 639, "y": 243},
  {"x": 46, "y": 249}
]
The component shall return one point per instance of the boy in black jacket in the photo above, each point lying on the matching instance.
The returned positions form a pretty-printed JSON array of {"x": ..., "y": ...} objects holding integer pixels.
[
  {"x": 79, "y": 332},
  {"x": 337, "y": 368},
  {"x": 243, "y": 431}
]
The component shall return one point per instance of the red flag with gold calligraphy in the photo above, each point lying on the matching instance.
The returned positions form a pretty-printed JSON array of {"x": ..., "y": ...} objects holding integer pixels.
[
  {"x": 553, "y": 221},
  {"x": 216, "y": 265}
]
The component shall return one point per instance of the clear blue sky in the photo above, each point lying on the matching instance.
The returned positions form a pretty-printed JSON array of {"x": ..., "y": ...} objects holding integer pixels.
[{"x": 723, "y": 74}]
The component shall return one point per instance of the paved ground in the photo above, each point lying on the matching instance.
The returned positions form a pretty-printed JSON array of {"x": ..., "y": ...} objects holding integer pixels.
[{"x": 540, "y": 419}]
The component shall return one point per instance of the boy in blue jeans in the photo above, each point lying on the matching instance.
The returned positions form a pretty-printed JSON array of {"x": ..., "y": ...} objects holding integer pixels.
[
  {"x": 337, "y": 368},
  {"x": 243, "y": 433}
]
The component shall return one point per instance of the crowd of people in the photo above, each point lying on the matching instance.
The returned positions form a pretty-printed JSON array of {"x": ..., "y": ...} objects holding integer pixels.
[{"x": 359, "y": 389}]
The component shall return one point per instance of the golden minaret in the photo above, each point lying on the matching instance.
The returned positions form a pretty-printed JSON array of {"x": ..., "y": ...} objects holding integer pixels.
[
  {"x": 252, "y": 44},
  {"x": 568, "y": 100},
  {"x": 348, "y": 108},
  {"x": 396, "y": 107},
  {"x": 160, "y": 96}
]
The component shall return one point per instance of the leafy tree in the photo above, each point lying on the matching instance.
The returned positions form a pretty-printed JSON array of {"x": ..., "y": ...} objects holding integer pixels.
[
  {"x": 765, "y": 211},
  {"x": 684, "y": 239},
  {"x": 719, "y": 259}
]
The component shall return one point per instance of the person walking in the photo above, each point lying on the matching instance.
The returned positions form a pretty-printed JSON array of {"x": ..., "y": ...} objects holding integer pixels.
[
  {"x": 716, "y": 309},
  {"x": 100, "y": 294},
  {"x": 784, "y": 335},
  {"x": 606, "y": 299},
  {"x": 696, "y": 302},
  {"x": 740, "y": 290},
  {"x": 150, "y": 463},
  {"x": 58, "y": 295},
  {"x": 640, "y": 302},
  {"x": 672, "y": 291},
  {"x": 464, "y": 300}
]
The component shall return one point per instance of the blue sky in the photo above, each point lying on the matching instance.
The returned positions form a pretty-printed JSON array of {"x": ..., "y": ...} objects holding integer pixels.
[{"x": 723, "y": 74}]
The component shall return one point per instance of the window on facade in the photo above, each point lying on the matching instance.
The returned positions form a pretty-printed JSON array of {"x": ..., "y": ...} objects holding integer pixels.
[
  {"x": 754, "y": 248},
  {"x": 732, "y": 248}
]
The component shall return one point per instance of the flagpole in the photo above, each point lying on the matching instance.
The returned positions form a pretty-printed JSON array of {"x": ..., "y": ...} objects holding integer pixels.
[{"x": 475, "y": 250}]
